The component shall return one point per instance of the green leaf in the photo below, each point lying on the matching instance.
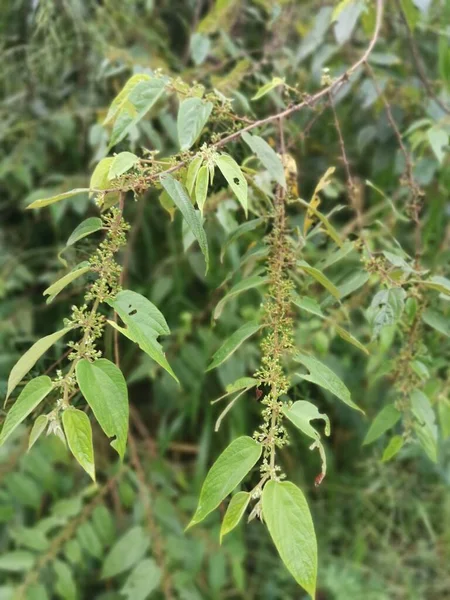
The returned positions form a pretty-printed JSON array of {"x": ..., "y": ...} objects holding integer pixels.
[
  {"x": 192, "y": 117},
  {"x": 201, "y": 188},
  {"x": 438, "y": 283},
  {"x": 192, "y": 172},
  {"x": 242, "y": 229},
  {"x": 436, "y": 321},
  {"x": 31, "y": 395},
  {"x": 444, "y": 417},
  {"x": 104, "y": 388},
  {"x": 85, "y": 228},
  {"x": 394, "y": 446},
  {"x": 320, "y": 278},
  {"x": 438, "y": 139},
  {"x": 235, "y": 178},
  {"x": 235, "y": 512},
  {"x": 267, "y": 156},
  {"x": 308, "y": 304},
  {"x": 233, "y": 343},
  {"x": 330, "y": 230},
  {"x": 122, "y": 163},
  {"x": 290, "y": 525},
  {"x": 425, "y": 427},
  {"x": 352, "y": 283},
  {"x": 321, "y": 375},
  {"x": 144, "y": 323},
  {"x": 179, "y": 195},
  {"x": 348, "y": 337},
  {"x": 78, "y": 430},
  {"x": 139, "y": 94},
  {"x": 53, "y": 290},
  {"x": 17, "y": 561},
  {"x": 338, "y": 254},
  {"x": 245, "y": 284},
  {"x": 268, "y": 87},
  {"x": 226, "y": 473},
  {"x": 142, "y": 581},
  {"x": 301, "y": 413},
  {"x": 412, "y": 15},
  {"x": 241, "y": 383},
  {"x": 27, "y": 361},
  {"x": 100, "y": 176},
  {"x": 104, "y": 524},
  {"x": 46, "y": 201},
  {"x": 65, "y": 586},
  {"x": 126, "y": 552},
  {"x": 37, "y": 430},
  {"x": 346, "y": 19},
  {"x": 385, "y": 420},
  {"x": 386, "y": 308}
]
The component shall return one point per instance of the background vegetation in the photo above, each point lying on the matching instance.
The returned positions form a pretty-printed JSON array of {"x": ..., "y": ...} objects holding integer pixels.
[{"x": 383, "y": 528}]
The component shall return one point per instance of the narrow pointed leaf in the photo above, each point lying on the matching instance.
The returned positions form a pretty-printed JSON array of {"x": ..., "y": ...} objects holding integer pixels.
[
  {"x": 84, "y": 229},
  {"x": 104, "y": 388},
  {"x": 53, "y": 290},
  {"x": 246, "y": 284},
  {"x": 31, "y": 395},
  {"x": 438, "y": 283},
  {"x": 241, "y": 230},
  {"x": 193, "y": 169},
  {"x": 192, "y": 117},
  {"x": 181, "y": 199},
  {"x": 235, "y": 178},
  {"x": 37, "y": 430},
  {"x": 78, "y": 430},
  {"x": 226, "y": 474},
  {"x": 267, "y": 156},
  {"x": 290, "y": 525},
  {"x": 322, "y": 375},
  {"x": 348, "y": 337},
  {"x": 385, "y": 420},
  {"x": 233, "y": 343},
  {"x": 201, "y": 187},
  {"x": 268, "y": 87},
  {"x": 394, "y": 446},
  {"x": 308, "y": 304},
  {"x": 320, "y": 278},
  {"x": 27, "y": 361},
  {"x": 235, "y": 512},
  {"x": 46, "y": 201}
]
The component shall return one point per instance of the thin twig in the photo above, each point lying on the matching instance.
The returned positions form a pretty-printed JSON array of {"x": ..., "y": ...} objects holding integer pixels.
[
  {"x": 418, "y": 61},
  {"x": 309, "y": 102}
]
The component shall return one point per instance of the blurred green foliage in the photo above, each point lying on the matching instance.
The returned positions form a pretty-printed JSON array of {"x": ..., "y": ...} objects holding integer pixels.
[{"x": 383, "y": 528}]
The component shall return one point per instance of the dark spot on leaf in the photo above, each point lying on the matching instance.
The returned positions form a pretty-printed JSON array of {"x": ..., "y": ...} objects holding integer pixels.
[
  {"x": 132, "y": 312},
  {"x": 236, "y": 181}
]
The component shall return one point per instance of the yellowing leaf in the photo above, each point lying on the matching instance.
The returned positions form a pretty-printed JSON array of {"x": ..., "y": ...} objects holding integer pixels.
[{"x": 315, "y": 199}]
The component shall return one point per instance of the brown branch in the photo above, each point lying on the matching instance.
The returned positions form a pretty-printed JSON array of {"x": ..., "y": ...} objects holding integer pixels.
[
  {"x": 309, "y": 102},
  {"x": 416, "y": 191}
]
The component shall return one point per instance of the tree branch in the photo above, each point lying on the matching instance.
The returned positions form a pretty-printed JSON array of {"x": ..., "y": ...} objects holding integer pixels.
[{"x": 310, "y": 101}]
